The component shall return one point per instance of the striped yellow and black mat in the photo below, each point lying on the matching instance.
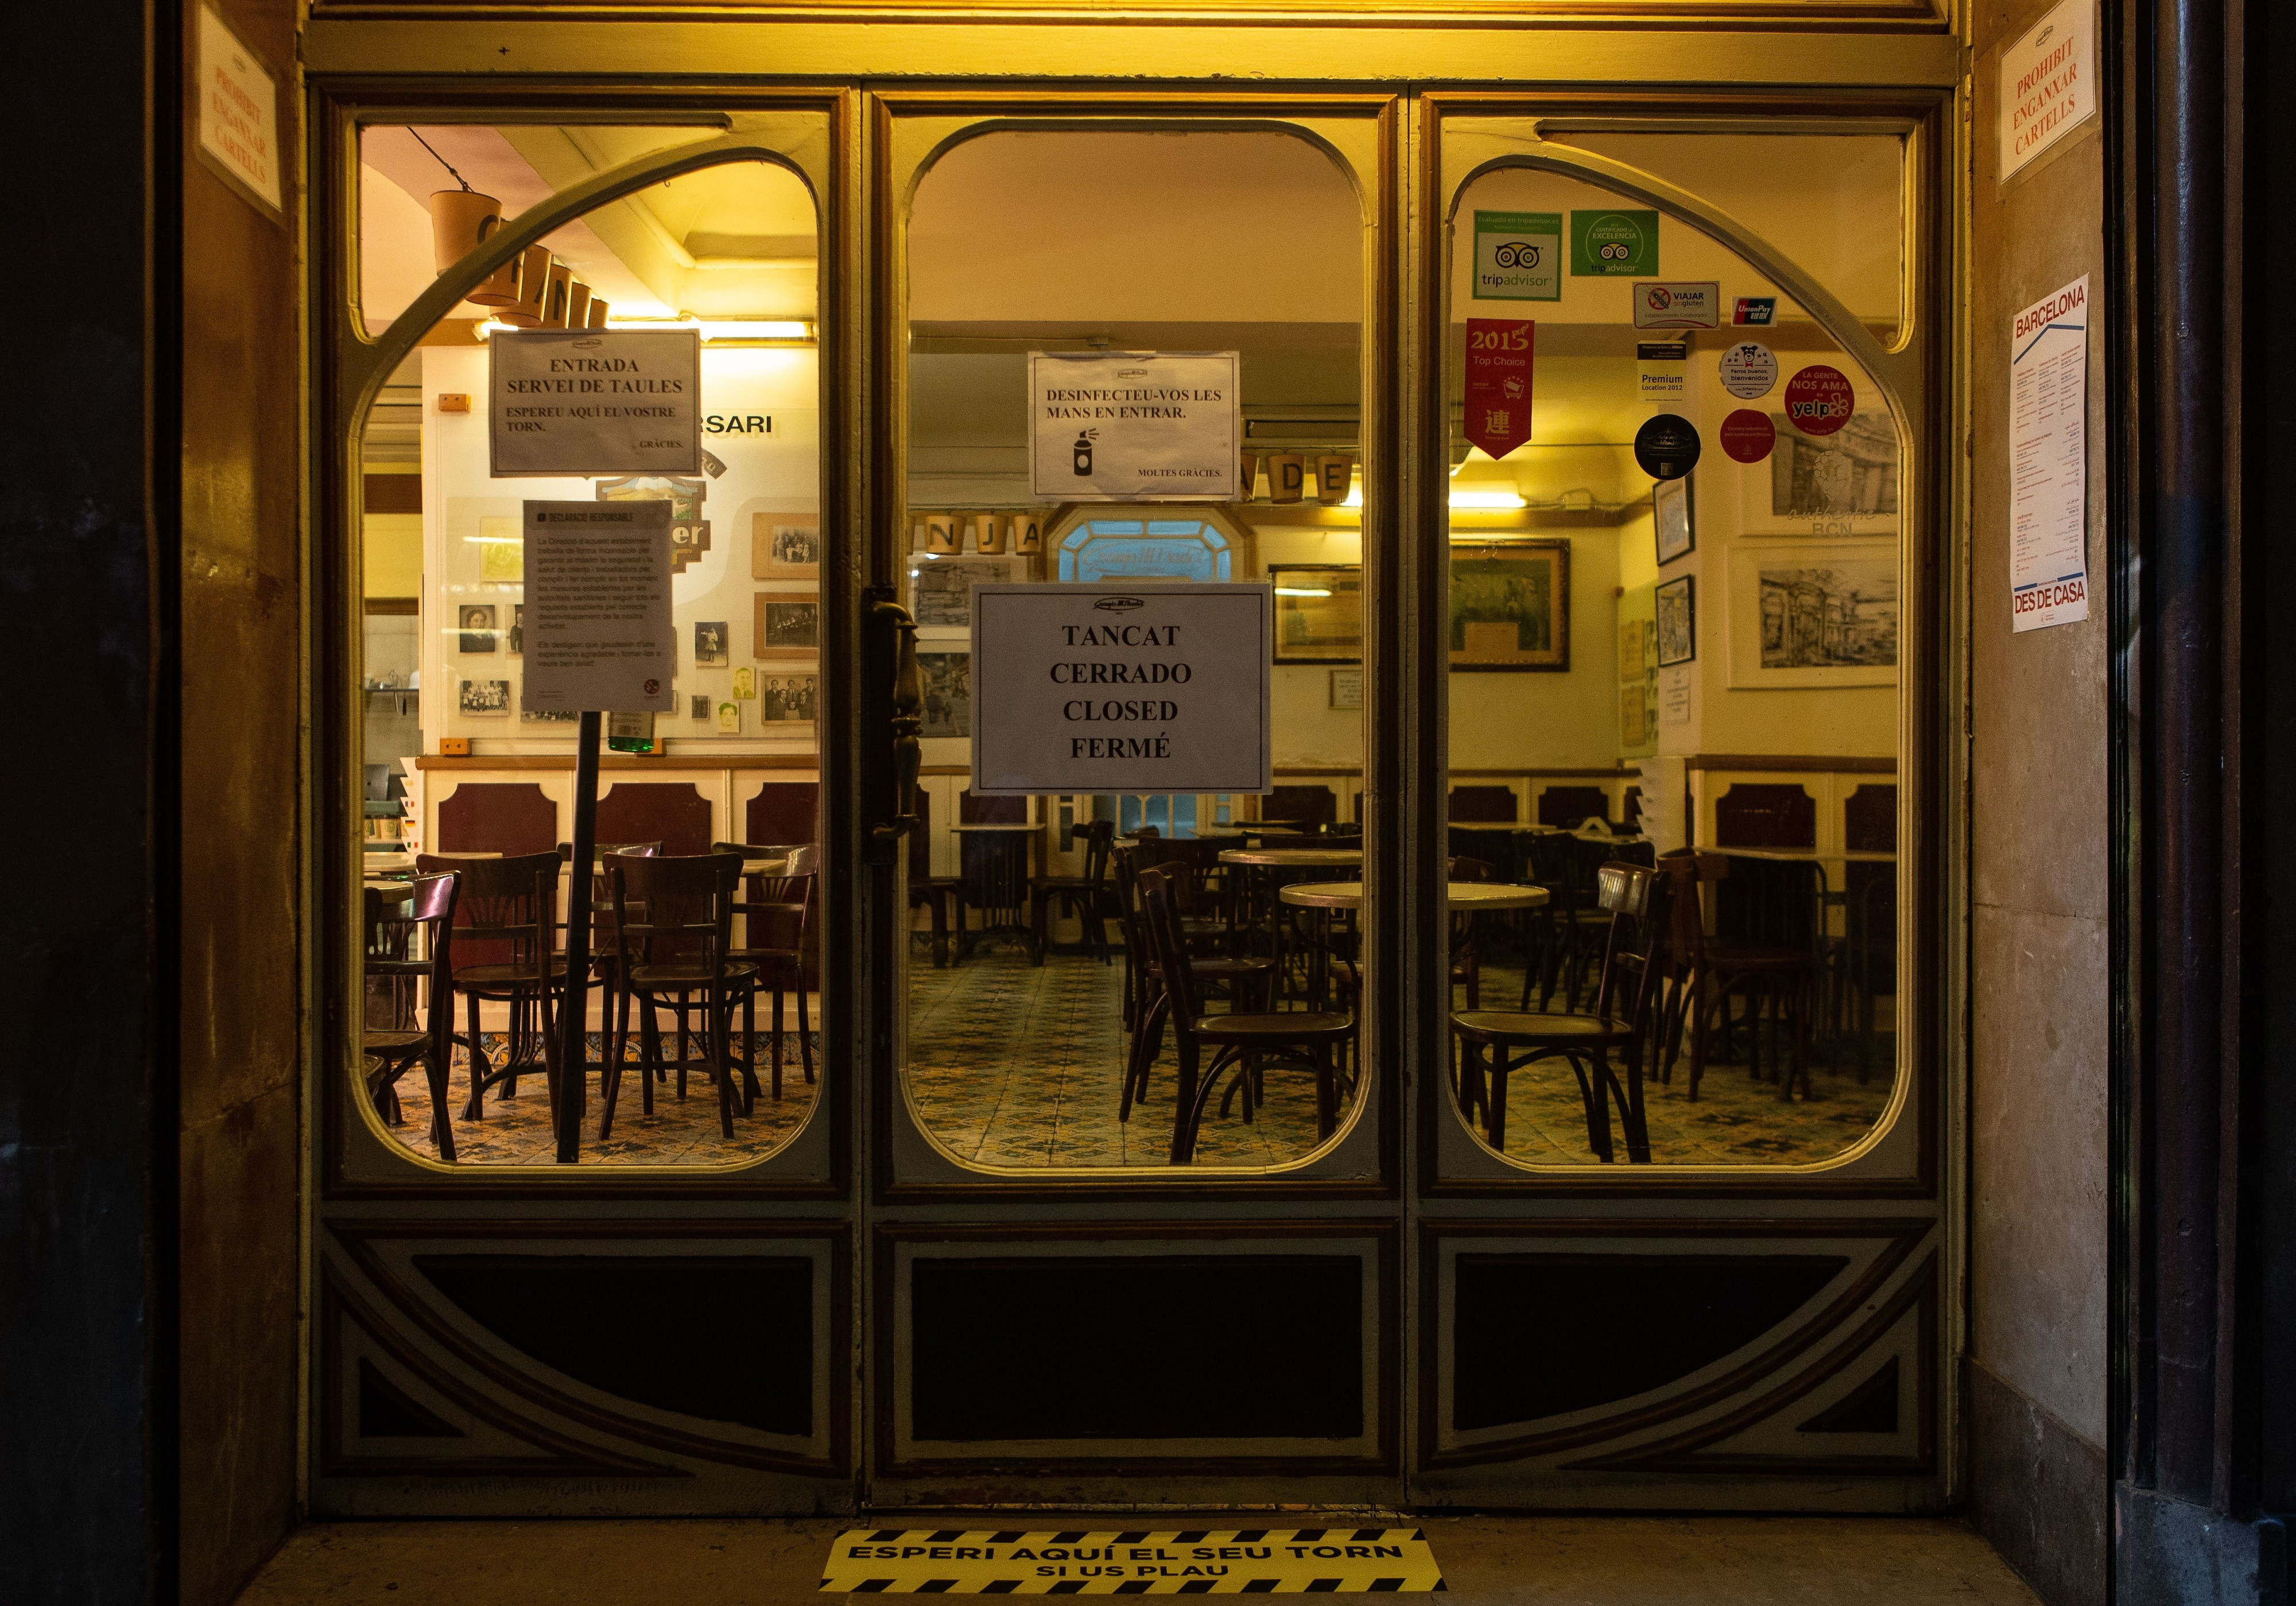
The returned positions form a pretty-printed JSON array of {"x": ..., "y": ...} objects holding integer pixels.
[{"x": 1189, "y": 1560}]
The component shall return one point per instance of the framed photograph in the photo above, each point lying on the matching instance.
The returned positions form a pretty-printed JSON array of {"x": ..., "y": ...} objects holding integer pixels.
[
  {"x": 1842, "y": 484},
  {"x": 788, "y": 700},
  {"x": 787, "y": 627},
  {"x": 1510, "y": 605},
  {"x": 1318, "y": 613},
  {"x": 485, "y": 699},
  {"x": 940, "y": 589},
  {"x": 785, "y": 546},
  {"x": 698, "y": 706},
  {"x": 1347, "y": 688},
  {"x": 745, "y": 683},
  {"x": 477, "y": 620},
  {"x": 948, "y": 692},
  {"x": 729, "y": 718},
  {"x": 549, "y": 716},
  {"x": 1677, "y": 621},
  {"x": 1806, "y": 615},
  {"x": 709, "y": 647},
  {"x": 1671, "y": 510},
  {"x": 516, "y": 642}
]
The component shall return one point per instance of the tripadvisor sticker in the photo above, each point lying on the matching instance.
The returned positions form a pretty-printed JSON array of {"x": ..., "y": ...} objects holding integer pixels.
[
  {"x": 1603, "y": 243},
  {"x": 1518, "y": 257}
]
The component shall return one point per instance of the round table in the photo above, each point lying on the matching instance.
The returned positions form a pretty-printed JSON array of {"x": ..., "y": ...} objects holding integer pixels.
[
  {"x": 1465, "y": 897},
  {"x": 1248, "y": 831},
  {"x": 1285, "y": 858}
]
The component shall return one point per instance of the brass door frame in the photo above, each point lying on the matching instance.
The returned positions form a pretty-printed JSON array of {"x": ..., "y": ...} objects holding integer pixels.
[{"x": 861, "y": 400}]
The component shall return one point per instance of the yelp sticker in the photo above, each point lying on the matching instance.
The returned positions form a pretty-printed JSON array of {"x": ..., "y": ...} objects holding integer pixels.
[{"x": 1819, "y": 400}]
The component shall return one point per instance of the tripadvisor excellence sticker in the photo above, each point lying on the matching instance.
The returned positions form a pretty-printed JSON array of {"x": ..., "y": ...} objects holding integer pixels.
[{"x": 1194, "y": 1561}]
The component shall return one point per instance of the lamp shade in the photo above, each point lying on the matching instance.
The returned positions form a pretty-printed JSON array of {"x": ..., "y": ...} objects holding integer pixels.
[
  {"x": 533, "y": 285},
  {"x": 461, "y": 220}
]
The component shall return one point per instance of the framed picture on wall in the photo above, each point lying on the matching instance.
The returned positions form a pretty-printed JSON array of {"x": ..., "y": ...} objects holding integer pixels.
[
  {"x": 516, "y": 640},
  {"x": 788, "y": 699},
  {"x": 785, "y": 546},
  {"x": 788, "y": 626},
  {"x": 1347, "y": 688},
  {"x": 477, "y": 620},
  {"x": 1804, "y": 614},
  {"x": 1318, "y": 613},
  {"x": 1671, "y": 519},
  {"x": 1842, "y": 484},
  {"x": 484, "y": 698},
  {"x": 1510, "y": 605},
  {"x": 709, "y": 643},
  {"x": 1677, "y": 621},
  {"x": 947, "y": 679},
  {"x": 940, "y": 589}
]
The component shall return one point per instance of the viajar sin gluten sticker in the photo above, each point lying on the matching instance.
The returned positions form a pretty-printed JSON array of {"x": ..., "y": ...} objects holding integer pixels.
[{"x": 1250, "y": 1560}]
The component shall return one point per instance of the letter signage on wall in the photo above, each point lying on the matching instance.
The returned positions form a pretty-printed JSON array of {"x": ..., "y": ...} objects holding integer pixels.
[
  {"x": 594, "y": 401},
  {"x": 1160, "y": 686},
  {"x": 1134, "y": 426}
]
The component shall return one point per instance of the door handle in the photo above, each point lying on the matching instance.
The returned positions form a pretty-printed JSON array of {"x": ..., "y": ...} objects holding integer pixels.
[{"x": 908, "y": 721}]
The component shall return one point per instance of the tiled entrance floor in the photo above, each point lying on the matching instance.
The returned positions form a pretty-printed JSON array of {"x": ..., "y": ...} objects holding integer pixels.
[{"x": 1486, "y": 1560}]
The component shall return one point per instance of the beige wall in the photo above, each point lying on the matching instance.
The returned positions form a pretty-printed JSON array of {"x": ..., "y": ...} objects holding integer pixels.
[
  {"x": 2039, "y": 858},
  {"x": 240, "y": 1051}
]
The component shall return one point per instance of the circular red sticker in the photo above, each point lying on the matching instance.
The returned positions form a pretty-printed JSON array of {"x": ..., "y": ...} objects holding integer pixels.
[
  {"x": 1747, "y": 435},
  {"x": 1819, "y": 400}
]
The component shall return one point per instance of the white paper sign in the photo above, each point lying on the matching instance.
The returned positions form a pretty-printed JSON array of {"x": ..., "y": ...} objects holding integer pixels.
[
  {"x": 1134, "y": 426},
  {"x": 239, "y": 109},
  {"x": 598, "y": 632},
  {"x": 2048, "y": 461},
  {"x": 1674, "y": 694},
  {"x": 2046, "y": 87},
  {"x": 1156, "y": 687},
  {"x": 594, "y": 401}
]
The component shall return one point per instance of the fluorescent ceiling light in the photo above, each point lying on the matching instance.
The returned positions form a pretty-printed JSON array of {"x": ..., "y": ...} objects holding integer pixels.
[
  {"x": 1299, "y": 591},
  {"x": 796, "y": 331},
  {"x": 1485, "y": 496}
]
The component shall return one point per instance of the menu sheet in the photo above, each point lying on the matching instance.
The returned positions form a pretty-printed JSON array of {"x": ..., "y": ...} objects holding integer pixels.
[{"x": 2048, "y": 461}]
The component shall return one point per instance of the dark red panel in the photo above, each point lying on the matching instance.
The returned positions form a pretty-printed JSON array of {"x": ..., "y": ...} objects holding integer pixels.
[
  {"x": 1476, "y": 805},
  {"x": 508, "y": 817},
  {"x": 990, "y": 811},
  {"x": 783, "y": 814},
  {"x": 669, "y": 812},
  {"x": 1869, "y": 823},
  {"x": 1766, "y": 815},
  {"x": 1566, "y": 806},
  {"x": 1315, "y": 805}
]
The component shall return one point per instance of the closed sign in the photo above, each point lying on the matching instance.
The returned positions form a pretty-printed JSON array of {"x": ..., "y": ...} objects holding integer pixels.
[{"x": 1159, "y": 687}]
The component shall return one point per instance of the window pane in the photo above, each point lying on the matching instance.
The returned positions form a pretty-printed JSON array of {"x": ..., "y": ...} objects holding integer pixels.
[
  {"x": 1032, "y": 975},
  {"x": 732, "y": 249}
]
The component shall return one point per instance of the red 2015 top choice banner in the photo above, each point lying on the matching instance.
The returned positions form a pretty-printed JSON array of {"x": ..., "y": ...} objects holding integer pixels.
[{"x": 1498, "y": 383}]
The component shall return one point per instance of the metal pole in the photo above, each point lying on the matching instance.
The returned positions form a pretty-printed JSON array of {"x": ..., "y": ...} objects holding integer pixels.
[{"x": 573, "y": 1080}]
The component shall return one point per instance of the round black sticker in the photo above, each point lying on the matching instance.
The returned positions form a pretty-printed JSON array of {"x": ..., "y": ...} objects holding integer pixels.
[{"x": 1667, "y": 446}]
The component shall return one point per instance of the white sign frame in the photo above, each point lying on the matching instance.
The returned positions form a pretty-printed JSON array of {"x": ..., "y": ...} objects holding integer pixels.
[
  {"x": 588, "y": 665},
  {"x": 1025, "y": 654},
  {"x": 2046, "y": 89},
  {"x": 239, "y": 111},
  {"x": 560, "y": 402},
  {"x": 1136, "y": 426}
]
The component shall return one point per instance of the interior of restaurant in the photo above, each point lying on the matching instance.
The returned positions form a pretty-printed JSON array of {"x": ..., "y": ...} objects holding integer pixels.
[{"x": 1673, "y": 710}]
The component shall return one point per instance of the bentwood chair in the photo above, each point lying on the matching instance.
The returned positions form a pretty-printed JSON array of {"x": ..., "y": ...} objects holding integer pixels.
[
  {"x": 1245, "y": 980},
  {"x": 604, "y": 948},
  {"x": 428, "y": 911},
  {"x": 776, "y": 922},
  {"x": 1767, "y": 948},
  {"x": 674, "y": 923},
  {"x": 1466, "y": 952},
  {"x": 1080, "y": 896},
  {"x": 507, "y": 952},
  {"x": 1633, "y": 894},
  {"x": 933, "y": 891},
  {"x": 1242, "y": 1042}
]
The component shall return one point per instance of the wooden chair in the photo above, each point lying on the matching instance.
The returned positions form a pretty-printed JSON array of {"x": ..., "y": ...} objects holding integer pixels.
[
  {"x": 507, "y": 952},
  {"x": 1081, "y": 896},
  {"x": 1767, "y": 948},
  {"x": 992, "y": 867},
  {"x": 779, "y": 910},
  {"x": 428, "y": 910},
  {"x": 1634, "y": 898},
  {"x": 1466, "y": 955},
  {"x": 673, "y": 923},
  {"x": 1242, "y": 1042},
  {"x": 926, "y": 889},
  {"x": 1147, "y": 1009},
  {"x": 604, "y": 948}
]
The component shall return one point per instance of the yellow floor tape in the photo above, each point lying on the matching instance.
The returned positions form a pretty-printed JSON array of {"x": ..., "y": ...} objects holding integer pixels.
[{"x": 1194, "y": 1560}]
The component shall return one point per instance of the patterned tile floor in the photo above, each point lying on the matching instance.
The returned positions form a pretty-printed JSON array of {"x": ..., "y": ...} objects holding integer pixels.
[
  {"x": 1016, "y": 1066},
  {"x": 516, "y": 1131},
  {"x": 1013, "y": 1065}
]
